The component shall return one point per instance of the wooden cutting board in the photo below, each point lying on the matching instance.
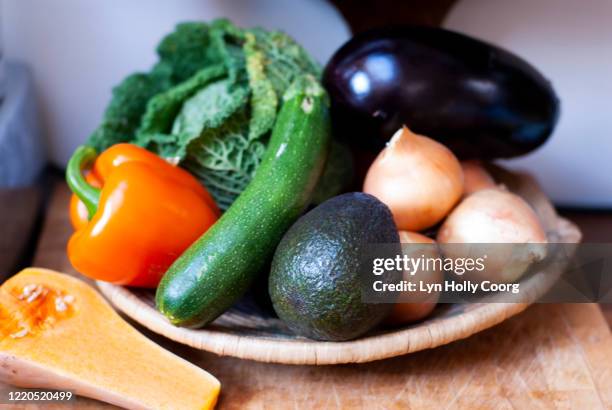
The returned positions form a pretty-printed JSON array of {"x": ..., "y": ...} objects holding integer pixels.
[{"x": 547, "y": 357}]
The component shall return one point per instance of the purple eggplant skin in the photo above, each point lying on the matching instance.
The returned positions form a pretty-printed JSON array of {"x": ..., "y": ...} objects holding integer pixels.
[{"x": 479, "y": 100}]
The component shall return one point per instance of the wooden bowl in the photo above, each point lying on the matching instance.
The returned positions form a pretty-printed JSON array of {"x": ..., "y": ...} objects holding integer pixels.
[{"x": 247, "y": 332}]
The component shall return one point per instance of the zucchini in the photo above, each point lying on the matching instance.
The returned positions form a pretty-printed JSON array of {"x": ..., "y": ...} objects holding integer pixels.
[{"x": 217, "y": 269}]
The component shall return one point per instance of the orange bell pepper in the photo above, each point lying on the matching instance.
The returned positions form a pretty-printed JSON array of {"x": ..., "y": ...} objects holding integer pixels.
[
  {"x": 134, "y": 214},
  {"x": 79, "y": 216},
  {"x": 113, "y": 157}
]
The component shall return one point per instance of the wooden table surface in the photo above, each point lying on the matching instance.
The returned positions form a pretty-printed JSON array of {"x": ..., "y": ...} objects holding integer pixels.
[{"x": 550, "y": 356}]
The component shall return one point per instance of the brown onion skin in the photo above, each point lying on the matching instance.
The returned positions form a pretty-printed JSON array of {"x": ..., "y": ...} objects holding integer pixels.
[
  {"x": 418, "y": 178},
  {"x": 494, "y": 218},
  {"x": 422, "y": 303},
  {"x": 475, "y": 177}
]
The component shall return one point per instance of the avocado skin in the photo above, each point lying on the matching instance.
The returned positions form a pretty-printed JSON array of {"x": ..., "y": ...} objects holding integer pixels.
[{"x": 314, "y": 281}]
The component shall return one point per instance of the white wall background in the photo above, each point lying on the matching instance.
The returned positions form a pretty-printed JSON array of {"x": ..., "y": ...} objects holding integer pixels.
[
  {"x": 79, "y": 49},
  {"x": 570, "y": 41}
]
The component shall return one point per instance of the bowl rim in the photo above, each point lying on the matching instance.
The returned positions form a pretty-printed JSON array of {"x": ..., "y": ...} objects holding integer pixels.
[{"x": 430, "y": 333}]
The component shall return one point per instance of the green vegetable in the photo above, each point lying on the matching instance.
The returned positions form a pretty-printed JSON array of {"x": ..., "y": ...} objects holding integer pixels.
[
  {"x": 315, "y": 282},
  {"x": 182, "y": 53},
  {"x": 163, "y": 108},
  {"x": 209, "y": 103},
  {"x": 128, "y": 103},
  {"x": 337, "y": 175},
  {"x": 218, "y": 268},
  {"x": 187, "y": 50}
]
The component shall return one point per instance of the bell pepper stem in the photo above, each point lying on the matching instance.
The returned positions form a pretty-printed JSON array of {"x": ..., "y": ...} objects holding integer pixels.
[{"x": 90, "y": 196}]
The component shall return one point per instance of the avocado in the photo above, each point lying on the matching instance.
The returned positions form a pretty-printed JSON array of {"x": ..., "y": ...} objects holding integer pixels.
[{"x": 314, "y": 281}]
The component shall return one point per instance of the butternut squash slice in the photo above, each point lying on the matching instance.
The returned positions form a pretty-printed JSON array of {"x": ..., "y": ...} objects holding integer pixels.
[{"x": 57, "y": 332}]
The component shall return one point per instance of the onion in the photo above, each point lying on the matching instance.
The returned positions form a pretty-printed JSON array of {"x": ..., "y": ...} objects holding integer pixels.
[
  {"x": 419, "y": 179},
  {"x": 475, "y": 177},
  {"x": 420, "y": 303},
  {"x": 494, "y": 218}
]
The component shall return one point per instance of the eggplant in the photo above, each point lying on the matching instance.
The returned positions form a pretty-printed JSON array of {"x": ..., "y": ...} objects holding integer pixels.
[{"x": 479, "y": 100}]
